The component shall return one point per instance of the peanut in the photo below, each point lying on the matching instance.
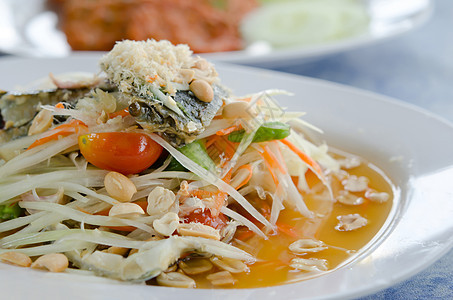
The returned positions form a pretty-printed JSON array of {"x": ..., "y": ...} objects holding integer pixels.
[
  {"x": 16, "y": 258},
  {"x": 119, "y": 186},
  {"x": 53, "y": 262},
  {"x": 42, "y": 121},
  {"x": 202, "y": 90},
  {"x": 239, "y": 110},
  {"x": 126, "y": 210}
]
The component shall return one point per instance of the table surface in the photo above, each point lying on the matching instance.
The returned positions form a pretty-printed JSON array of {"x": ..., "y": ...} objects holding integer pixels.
[{"x": 416, "y": 67}]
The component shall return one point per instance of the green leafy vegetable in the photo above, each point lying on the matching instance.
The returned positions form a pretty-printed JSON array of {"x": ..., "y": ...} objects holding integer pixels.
[
  {"x": 10, "y": 211},
  {"x": 196, "y": 151},
  {"x": 267, "y": 132}
]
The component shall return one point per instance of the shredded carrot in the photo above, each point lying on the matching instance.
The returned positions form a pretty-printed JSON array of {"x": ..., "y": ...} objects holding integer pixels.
[
  {"x": 269, "y": 167},
  {"x": 244, "y": 235},
  {"x": 229, "y": 130},
  {"x": 122, "y": 228},
  {"x": 211, "y": 140},
  {"x": 202, "y": 193},
  {"x": 151, "y": 79},
  {"x": 223, "y": 145},
  {"x": 84, "y": 211},
  {"x": 227, "y": 177},
  {"x": 247, "y": 99},
  {"x": 230, "y": 148},
  {"x": 74, "y": 126},
  {"x": 286, "y": 229},
  {"x": 247, "y": 179},
  {"x": 308, "y": 160},
  {"x": 59, "y": 105},
  {"x": 123, "y": 113},
  {"x": 271, "y": 163},
  {"x": 219, "y": 202},
  {"x": 275, "y": 163}
]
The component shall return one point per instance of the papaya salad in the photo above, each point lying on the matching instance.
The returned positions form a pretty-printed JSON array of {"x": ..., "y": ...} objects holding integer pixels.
[{"x": 152, "y": 171}]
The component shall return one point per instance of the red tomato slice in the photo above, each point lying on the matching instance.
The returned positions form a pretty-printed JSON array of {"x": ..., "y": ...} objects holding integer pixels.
[{"x": 123, "y": 152}]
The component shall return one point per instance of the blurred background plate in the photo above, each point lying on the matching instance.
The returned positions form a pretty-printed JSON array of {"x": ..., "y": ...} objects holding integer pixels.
[{"x": 296, "y": 29}]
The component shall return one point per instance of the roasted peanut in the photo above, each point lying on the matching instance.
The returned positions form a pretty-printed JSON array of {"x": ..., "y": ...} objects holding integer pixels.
[
  {"x": 160, "y": 200},
  {"x": 53, "y": 262},
  {"x": 229, "y": 264},
  {"x": 42, "y": 121},
  {"x": 195, "y": 266},
  {"x": 202, "y": 90},
  {"x": 126, "y": 210},
  {"x": 119, "y": 186},
  {"x": 175, "y": 279},
  {"x": 221, "y": 278},
  {"x": 167, "y": 224},
  {"x": 16, "y": 258},
  {"x": 198, "y": 229},
  {"x": 186, "y": 75},
  {"x": 117, "y": 250},
  {"x": 239, "y": 110}
]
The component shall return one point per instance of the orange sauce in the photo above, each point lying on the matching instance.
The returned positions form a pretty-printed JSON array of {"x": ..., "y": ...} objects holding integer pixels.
[{"x": 274, "y": 257}]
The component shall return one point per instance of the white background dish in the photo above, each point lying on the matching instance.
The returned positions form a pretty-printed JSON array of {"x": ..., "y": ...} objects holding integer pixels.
[
  {"x": 28, "y": 28},
  {"x": 413, "y": 147}
]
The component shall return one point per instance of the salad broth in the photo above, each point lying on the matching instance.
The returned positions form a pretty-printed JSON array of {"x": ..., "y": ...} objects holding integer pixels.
[{"x": 274, "y": 257}]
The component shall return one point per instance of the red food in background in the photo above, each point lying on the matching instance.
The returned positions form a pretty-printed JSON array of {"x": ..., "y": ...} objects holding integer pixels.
[{"x": 205, "y": 25}]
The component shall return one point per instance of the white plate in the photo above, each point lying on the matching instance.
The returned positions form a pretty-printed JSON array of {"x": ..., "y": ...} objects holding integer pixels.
[
  {"x": 412, "y": 146},
  {"x": 27, "y": 28}
]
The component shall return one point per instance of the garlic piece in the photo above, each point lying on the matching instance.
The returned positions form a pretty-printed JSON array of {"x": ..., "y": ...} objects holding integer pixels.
[
  {"x": 350, "y": 222},
  {"x": 304, "y": 246},
  {"x": 221, "y": 278},
  {"x": 355, "y": 184},
  {"x": 309, "y": 264},
  {"x": 167, "y": 224},
  {"x": 376, "y": 196},
  {"x": 349, "y": 162},
  {"x": 349, "y": 199}
]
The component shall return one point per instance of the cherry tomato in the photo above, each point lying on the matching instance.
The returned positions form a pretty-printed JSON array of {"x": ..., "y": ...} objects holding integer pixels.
[
  {"x": 205, "y": 217},
  {"x": 124, "y": 152}
]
